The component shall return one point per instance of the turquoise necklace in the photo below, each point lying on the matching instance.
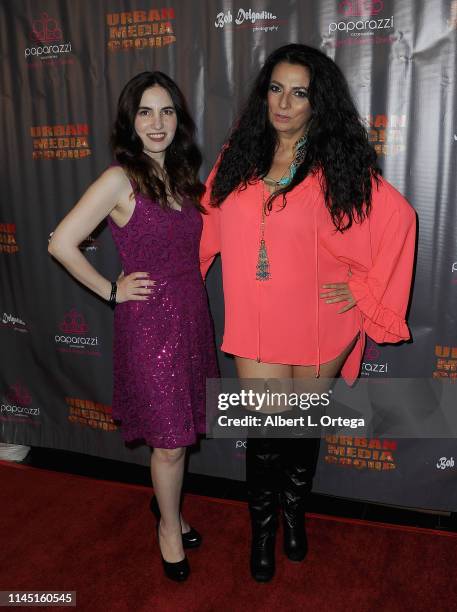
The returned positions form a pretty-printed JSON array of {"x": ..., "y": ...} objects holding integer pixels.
[{"x": 299, "y": 156}]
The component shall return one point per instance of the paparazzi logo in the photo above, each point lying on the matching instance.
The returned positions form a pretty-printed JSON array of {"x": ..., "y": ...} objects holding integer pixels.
[
  {"x": 360, "y": 8},
  {"x": 362, "y": 23},
  {"x": 139, "y": 29},
  {"x": 10, "y": 321},
  {"x": 240, "y": 449},
  {"x": 75, "y": 337},
  {"x": 18, "y": 405},
  {"x": 444, "y": 463},
  {"x": 8, "y": 242},
  {"x": 371, "y": 362},
  {"x": 49, "y": 47},
  {"x": 258, "y": 21},
  {"x": 65, "y": 141},
  {"x": 446, "y": 362}
]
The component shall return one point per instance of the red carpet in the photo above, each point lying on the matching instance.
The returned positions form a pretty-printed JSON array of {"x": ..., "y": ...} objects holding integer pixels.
[{"x": 63, "y": 532}]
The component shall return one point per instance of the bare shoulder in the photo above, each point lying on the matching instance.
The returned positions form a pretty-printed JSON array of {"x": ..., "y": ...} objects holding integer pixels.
[
  {"x": 114, "y": 185},
  {"x": 115, "y": 178}
]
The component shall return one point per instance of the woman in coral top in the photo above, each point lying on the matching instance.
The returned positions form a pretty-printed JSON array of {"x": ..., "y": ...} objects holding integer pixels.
[{"x": 317, "y": 251}]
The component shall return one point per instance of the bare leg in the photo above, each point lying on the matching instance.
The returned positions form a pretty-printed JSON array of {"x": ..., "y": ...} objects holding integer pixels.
[
  {"x": 276, "y": 375},
  {"x": 250, "y": 368},
  {"x": 279, "y": 375},
  {"x": 167, "y": 470},
  {"x": 328, "y": 370}
]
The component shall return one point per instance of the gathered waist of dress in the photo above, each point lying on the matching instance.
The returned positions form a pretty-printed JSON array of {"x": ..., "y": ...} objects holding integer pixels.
[{"x": 179, "y": 274}]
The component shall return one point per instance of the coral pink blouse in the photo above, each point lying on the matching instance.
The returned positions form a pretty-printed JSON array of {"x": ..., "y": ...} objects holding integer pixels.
[{"x": 283, "y": 319}]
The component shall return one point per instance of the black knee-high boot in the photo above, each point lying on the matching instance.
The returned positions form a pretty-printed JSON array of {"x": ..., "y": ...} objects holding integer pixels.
[
  {"x": 298, "y": 461},
  {"x": 262, "y": 477}
]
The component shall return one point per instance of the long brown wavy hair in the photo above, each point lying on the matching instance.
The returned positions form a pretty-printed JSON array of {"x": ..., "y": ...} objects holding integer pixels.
[{"x": 182, "y": 158}]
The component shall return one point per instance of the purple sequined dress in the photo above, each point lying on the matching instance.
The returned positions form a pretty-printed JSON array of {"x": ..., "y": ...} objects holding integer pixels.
[{"x": 164, "y": 347}]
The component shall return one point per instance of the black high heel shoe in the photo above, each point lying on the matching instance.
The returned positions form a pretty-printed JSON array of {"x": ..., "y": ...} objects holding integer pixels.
[
  {"x": 178, "y": 571},
  {"x": 190, "y": 539}
]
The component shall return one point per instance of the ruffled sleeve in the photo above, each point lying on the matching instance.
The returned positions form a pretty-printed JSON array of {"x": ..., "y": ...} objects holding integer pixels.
[
  {"x": 210, "y": 241},
  {"x": 382, "y": 292}
]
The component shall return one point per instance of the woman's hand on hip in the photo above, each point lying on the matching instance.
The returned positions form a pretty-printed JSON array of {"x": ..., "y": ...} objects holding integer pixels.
[
  {"x": 135, "y": 286},
  {"x": 339, "y": 292}
]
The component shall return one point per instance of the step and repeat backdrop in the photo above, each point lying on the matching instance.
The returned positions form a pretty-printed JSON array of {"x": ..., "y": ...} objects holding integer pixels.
[{"x": 63, "y": 65}]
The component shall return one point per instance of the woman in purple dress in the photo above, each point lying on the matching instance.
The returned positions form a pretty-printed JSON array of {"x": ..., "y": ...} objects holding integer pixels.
[{"x": 163, "y": 338}]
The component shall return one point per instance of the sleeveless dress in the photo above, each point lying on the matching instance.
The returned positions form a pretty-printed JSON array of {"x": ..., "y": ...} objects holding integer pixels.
[{"x": 163, "y": 348}]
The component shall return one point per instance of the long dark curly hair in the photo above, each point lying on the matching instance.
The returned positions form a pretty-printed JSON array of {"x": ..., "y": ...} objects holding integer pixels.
[
  {"x": 337, "y": 142},
  {"x": 182, "y": 158}
]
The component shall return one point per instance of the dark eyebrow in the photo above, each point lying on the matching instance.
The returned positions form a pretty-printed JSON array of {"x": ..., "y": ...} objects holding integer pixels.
[
  {"x": 149, "y": 108},
  {"x": 281, "y": 85}
]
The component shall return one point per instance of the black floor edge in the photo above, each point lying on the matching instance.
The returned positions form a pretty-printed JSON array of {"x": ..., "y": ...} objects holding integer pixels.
[{"x": 223, "y": 488}]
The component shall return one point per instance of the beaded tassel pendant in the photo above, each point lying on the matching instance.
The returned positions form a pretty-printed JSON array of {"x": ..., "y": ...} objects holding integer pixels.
[{"x": 263, "y": 265}]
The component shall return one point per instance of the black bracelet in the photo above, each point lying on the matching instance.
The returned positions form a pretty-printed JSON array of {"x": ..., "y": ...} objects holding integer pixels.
[{"x": 112, "y": 297}]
